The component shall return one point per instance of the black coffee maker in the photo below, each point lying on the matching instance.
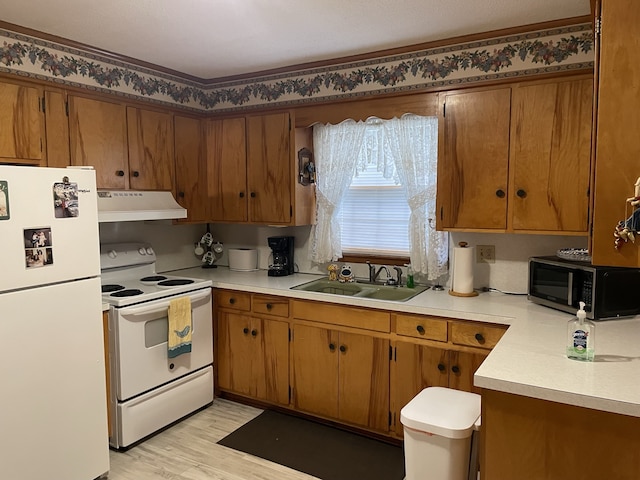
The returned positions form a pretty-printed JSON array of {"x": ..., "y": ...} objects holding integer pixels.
[{"x": 282, "y": 251}]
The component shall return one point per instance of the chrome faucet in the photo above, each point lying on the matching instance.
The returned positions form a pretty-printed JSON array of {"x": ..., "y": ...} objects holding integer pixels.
[{"x": 377, "y": 274}]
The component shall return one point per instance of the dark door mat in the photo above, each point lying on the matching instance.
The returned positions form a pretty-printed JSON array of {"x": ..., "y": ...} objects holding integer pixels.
[{"x": 319, "y": 450}]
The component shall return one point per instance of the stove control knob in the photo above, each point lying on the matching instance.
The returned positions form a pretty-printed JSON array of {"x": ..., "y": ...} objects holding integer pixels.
[
  {"x": 142, "y": 251},
  {"x": 112, "y": 254},
  {"x": 149, "y": 251}
]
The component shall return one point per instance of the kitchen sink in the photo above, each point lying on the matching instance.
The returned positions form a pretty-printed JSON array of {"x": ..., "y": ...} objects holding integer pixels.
[{"x": 364, "y": 290}]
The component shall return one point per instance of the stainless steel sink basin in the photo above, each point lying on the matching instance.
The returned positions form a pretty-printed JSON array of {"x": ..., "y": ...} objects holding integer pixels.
[{"x": 365, "y": 290}]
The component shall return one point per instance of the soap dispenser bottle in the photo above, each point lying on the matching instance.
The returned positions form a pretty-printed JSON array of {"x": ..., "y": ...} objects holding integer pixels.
[
  {"x": 410, "y": 281},
  {"x": 581, "y": 339}
]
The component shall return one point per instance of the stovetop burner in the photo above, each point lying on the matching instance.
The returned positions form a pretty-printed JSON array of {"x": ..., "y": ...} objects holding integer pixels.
[
  {"x": 175, "y": 282},
  {"x": 153, "y": 278},
  {"x": 131, "y": 292},
  {"x": 111, "y": 288}
]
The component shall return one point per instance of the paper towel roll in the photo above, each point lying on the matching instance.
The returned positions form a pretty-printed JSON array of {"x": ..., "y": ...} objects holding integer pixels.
[
  {"x": 243, "y": 259},
  {"x": 462, "y": 276}
]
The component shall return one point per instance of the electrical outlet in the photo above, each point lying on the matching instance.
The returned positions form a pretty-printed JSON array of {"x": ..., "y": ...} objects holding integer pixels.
[{"x": 486, "y": 254}]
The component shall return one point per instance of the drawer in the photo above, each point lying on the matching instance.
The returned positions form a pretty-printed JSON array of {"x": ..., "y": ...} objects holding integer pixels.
[
  {"x": 234, "y": 300},
  {"x": 268, "y": 305},
  {"x": 475, "y": 334},
  {"x": 420, "y": 326},
  {"x": 345, "y": 316}
]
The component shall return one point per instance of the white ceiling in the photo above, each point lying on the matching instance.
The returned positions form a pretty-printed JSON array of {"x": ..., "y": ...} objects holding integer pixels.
[{"x": 219, "y": 38}]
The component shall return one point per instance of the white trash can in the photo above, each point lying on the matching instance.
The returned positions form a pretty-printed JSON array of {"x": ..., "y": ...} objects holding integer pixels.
[{"x": 438, "y": 425}]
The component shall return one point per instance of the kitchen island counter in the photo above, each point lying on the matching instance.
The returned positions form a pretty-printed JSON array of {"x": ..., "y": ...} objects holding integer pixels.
[{"x": 530, "y": 358}]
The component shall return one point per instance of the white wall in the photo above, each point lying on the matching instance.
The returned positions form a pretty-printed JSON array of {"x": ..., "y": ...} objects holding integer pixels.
[{"x": 174, "y": 246}]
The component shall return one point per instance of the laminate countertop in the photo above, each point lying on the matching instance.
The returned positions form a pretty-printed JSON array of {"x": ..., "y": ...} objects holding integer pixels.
[{"x": 530, "y": 358}]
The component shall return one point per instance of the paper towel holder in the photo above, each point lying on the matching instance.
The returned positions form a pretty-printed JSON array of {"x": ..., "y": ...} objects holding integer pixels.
[{"x": 458, "y": 294}]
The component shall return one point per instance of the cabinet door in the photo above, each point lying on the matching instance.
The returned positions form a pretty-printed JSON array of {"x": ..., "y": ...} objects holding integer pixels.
[
  {"x": 57, "y": 129},
  {"x": 271, "y": 366},
  {"x": 98, "y": 137},
  {"x": 474, "y": 157},
  {"x": 269, "y": 168},
  {"x": 364, "y": 380},
  {"x": 617, "y": 151},
  {"x": 416, "y": 368},
  {"x": 462, "y": 367},
  {"x": 227, "y": 163},
  {"x": 315, "y": 370},
  {"x": 191, "y": 169},
  {"x": 151, "y": 163},
  {"x": 550, "y": 155},
  {"x": 21, "y": 124},
  {"x": 235, "y": 353}
]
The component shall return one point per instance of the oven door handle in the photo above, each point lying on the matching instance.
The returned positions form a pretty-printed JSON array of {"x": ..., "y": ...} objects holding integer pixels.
[{"x": 163, "y": 306}]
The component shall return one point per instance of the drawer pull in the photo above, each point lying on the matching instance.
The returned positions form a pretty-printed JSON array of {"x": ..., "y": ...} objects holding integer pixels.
[
  {"x": 245, "y": 330},
  {"x": 343, "y": 348},
  {"x": 479, "y": 337},
  {"x": 332, "y": 347},
  {"x": 269, "y": 306},
  {"x": 232, "y": 301},
  {"x": 420, "y": 329},
  {"x": 441, "y": 367},
  {"x": 254, "y": 333},
  {"x": 455, "y": 369}
]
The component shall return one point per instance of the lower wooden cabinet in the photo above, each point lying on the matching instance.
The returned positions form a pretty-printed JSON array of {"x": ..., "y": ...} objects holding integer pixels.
[
  {"x": 351, "y": 365},
  {"x": 341, "y": 375}
]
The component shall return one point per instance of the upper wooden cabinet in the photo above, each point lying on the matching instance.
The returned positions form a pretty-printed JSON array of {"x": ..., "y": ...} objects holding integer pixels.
[
  {"x": 191, "y": 169},
  {"x": 269, "y": 168},
  {"x": 227, "y": 169},
  {"x": 517, "y": 158},
  {"x": 98, "y": 137},
  {"x": 151, "y": 162},
  {"x": 21, "y": 124},
  {"x": 617, "y": 152},
  {"x": 57, "y": 128}
]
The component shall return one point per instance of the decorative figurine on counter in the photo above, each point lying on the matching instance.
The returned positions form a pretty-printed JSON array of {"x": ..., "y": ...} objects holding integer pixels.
[
  {"x": 346, "y": 274},
  {"x": 333, "y": 272},
  {"x": 626, "y": 229}
]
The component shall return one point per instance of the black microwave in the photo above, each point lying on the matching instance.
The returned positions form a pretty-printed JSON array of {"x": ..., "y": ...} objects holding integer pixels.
[{"x": 608, "y": 292}]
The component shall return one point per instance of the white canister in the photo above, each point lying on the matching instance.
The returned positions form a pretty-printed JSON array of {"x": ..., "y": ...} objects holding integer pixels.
[{"x": 243, "y": 259}]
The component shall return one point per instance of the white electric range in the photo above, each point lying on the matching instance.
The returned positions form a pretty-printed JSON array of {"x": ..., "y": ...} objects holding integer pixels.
[{"x": 149, "y": 390}]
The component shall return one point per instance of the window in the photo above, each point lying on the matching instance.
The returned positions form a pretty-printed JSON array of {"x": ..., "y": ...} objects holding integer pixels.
[{"x": 374, "y": 216}]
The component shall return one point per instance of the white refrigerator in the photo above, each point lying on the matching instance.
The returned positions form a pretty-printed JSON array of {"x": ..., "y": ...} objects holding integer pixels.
[{"x": 53, "y": 417}]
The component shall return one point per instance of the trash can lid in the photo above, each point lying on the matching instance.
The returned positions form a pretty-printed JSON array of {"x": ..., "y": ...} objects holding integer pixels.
[{"x": 442, "y": 411}]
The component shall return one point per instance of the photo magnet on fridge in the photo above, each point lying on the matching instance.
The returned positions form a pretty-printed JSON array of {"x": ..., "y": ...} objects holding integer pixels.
[
  {"x": 5, "y": 214},
  {"x": 65, "y": 199}
]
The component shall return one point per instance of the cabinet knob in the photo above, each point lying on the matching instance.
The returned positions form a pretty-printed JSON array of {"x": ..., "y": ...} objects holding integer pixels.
[
  {"x": 332, "y": 347},
  {"x": 241, "y": 194},
  {"x": 479, "y": 337},
  {"x": 120, "y": 173},
  {"x": 232, "y": 301},
  {"x": 254, "y": 333},
  {"x": 500, "y": 193},
  {"x": 269, "y": 306},
  {"x": 441, "y": 367},
  {"x": 343, "y": 348},
  {"x": 181, "y": 194},
  {"x": 136, "y": 173},
  {"x": 521, "y": 193},
  {"x": 245, "y": 330},
  {"x": 455, "y": 369},
  {"x": 420, "y": 329},
  {"x": 253, "y": 194}
]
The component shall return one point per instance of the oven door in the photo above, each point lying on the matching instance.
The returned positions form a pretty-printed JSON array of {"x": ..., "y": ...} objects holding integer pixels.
[{"x": 139, "y": 345}]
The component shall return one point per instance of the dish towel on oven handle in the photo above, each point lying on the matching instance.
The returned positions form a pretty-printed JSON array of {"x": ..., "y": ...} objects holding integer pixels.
[{"x": 179, "y": 327}]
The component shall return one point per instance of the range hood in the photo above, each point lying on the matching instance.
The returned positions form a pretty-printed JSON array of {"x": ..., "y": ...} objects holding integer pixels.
[{"x": 131, "y": 205}]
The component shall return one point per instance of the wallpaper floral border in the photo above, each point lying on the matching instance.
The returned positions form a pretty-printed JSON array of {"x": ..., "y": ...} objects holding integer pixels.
[{"x": 533, "y": 53}]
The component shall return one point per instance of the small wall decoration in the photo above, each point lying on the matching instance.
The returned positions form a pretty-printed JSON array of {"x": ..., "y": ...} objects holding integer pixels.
[
  {"x": 5, "y": 213},
  {"x": 627, "y": 229}
]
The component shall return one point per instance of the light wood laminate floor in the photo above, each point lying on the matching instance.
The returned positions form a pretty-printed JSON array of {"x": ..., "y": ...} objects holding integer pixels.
[{"x": 188, "y": 451}]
